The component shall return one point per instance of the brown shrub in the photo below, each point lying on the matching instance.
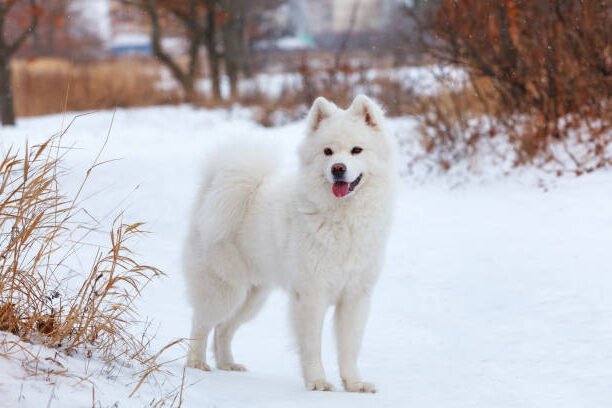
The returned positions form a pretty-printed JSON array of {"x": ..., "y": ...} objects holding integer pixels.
[
  {"x": 552, "y": 56},
  {"x": 549, "y": 65}
]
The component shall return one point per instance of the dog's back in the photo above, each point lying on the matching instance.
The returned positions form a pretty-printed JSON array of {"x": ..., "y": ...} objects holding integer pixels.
[{"x": 232, "y": 175}]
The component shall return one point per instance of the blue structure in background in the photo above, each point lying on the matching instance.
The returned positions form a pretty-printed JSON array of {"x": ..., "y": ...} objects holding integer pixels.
[
  {"x": 131, "y": 44},
  {"x": 133, "y": 49}
]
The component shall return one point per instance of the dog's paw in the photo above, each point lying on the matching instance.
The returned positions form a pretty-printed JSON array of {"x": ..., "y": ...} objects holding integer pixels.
[
  {"x": 231, "y": 367},
  {"x": 319, "y": 385},
  {"x": 200, "y": 365},
  {"x": 358, "y": 386}
]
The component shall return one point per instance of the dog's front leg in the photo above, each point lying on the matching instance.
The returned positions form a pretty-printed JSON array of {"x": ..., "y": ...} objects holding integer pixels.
[
  {"x": 351, "y": 316},
  {"x": 308, "y": 315}
]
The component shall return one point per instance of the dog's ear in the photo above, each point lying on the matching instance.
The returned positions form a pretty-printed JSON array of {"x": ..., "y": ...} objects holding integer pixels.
[
  {"x": 321, "y": 110},
  {"x": 368, "y": 111}
]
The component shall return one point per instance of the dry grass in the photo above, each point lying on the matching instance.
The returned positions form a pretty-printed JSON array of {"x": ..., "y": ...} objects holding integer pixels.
[
  {"x": 46, "y": 86},
  {"x": 44, "y": 300}
]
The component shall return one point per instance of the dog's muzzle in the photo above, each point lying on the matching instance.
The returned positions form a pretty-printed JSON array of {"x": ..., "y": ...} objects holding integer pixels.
[{"x": 343, "y": 188}]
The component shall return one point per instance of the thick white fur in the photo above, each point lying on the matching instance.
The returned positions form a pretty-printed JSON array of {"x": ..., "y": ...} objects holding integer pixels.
[{"x": 255, "y": 227}]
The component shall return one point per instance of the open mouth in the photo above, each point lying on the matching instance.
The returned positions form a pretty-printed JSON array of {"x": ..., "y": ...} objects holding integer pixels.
[{"x": 342, "y": 188}]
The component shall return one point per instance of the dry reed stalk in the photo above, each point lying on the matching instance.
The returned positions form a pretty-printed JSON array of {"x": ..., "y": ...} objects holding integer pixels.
[{"x": 37, "y": 223}]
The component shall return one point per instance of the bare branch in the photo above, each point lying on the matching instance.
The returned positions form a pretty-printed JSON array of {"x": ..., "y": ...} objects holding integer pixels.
[{"x": 23, "y": 36}]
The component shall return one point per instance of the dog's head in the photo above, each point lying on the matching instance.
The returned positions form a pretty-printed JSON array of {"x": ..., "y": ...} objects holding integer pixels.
[{"x": 345, "y": 150}]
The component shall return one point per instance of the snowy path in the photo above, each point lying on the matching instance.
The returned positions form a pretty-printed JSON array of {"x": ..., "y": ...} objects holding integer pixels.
[{"x": 493, "y": 295}]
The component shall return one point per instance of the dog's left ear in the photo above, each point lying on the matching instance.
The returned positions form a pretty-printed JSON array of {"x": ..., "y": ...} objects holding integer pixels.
[{"x": 368, "y": 111}]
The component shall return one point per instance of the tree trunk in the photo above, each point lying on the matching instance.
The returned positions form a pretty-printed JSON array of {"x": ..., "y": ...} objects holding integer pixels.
[
  {"x": 185, "y": 78},
  {"x": 51, "y": 33},
  {"x": 37, "y": 43},
  {"x": 190, "y": 78},
  {"x": 7, "y": 49},
  {"x": 7, "y": 109},
  {"x": 193, "y": 68},
  {"x": 213, "y": 55},
  {"x": 232, "y": 44},
  {"x": 247, "y": 57},
  {"x": 231, "y": 67},
  {"x": 189, "y": 89}
]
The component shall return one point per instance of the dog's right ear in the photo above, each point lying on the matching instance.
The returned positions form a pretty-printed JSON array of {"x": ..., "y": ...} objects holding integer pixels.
[{"x": 321, "y": 110}]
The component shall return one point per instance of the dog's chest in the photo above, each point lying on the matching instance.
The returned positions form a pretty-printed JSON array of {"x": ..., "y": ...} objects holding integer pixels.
[{"x": 339, "y": 251}]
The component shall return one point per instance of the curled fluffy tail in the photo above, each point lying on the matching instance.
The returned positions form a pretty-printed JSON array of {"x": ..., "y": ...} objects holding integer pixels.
[{"x": 232, "y": 176}]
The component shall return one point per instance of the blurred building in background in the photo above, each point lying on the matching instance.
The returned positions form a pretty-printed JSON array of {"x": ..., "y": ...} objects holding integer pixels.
[
  {"x": 129, "y": 30},
  {"x": 336, "y": 16},
  {"x": 294, "y": 24},
  {"x": 327, "y": 21}
]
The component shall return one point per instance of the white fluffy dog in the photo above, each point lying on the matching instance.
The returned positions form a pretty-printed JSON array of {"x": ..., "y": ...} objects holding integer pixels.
[{"x": 318, "y": 232}]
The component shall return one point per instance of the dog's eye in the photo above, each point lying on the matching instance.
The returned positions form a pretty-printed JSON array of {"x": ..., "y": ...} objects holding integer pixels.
[
  {"x": 328, "y": 151},
  {"x": 356, "y": 150}
]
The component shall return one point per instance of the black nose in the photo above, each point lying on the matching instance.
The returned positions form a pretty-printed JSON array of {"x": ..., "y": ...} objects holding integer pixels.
[{"x": 338, "y": 170}]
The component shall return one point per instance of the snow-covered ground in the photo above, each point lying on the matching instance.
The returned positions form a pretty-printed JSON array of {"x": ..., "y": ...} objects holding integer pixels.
[{"x": 494, "y": 294}]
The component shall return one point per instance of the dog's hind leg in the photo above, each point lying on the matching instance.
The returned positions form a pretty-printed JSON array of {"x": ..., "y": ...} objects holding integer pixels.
[
  {"x": 198, "y": 340},
  {"x": 224, "y": 332},
  {"x": 220, "y": 300}
]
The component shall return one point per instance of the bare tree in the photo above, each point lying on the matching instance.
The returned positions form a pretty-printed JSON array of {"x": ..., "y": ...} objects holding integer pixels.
[
  {"x": 347, "y": 36},
  {"x": 210, "y": 36},
  {"x": 63, "y": 31},
  {"x": 217, "y": 25},
  {"x": 233, "y": 42},
  {"x": 198, "y": 23},
  {"x": 19, "y": 10},
  {"x": 240, "y": 18}
]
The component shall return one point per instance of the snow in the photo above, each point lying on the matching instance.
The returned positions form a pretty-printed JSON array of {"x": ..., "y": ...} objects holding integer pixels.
[
  {"x": 130, "y": 40},
  {"x": 423, "y": 80},
  {"x": 495, "y": 293},
  {"x": 42, "y": 376}
]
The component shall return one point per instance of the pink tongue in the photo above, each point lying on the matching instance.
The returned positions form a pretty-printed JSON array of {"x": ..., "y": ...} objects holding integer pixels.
[{"x": 340, "y": 188}]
